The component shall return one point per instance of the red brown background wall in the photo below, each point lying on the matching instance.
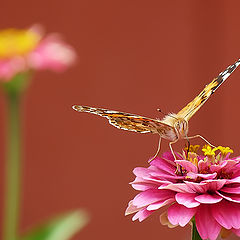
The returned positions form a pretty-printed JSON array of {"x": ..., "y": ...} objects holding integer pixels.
[{"x": 134, "y": 56}]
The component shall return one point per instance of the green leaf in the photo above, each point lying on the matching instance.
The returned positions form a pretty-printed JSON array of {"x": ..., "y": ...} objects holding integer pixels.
[{"x": 62, "y": 227}]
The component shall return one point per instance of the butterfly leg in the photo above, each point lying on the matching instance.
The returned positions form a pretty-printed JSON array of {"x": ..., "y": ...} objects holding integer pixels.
[
  {"x": 170, "y": 146},
  {"x": 179, "y": 168},
  {"x": 158, "y": 150},
  {"x": 188, "y": 144},
  {"x": 196, "y": 136}
]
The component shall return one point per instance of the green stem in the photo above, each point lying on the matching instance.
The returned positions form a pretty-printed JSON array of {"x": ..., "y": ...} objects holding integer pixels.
[
  {"x": 12, "y": 169},
  {"x": 195, "y": 234}
]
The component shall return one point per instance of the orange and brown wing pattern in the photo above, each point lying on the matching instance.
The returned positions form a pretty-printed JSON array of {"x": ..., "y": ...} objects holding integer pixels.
[
  {"x": 188, "y": 111},
  {"x": 128, "y": 121}
]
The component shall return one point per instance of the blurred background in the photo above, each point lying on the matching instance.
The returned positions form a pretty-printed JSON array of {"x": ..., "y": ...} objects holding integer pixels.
[{"x": 133, "y": 56}]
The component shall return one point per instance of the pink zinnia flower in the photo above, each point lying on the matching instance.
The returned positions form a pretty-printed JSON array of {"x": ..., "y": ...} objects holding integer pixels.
[
  {"x": 205, "y": 187},
  {"x": 28, "y": 49}
]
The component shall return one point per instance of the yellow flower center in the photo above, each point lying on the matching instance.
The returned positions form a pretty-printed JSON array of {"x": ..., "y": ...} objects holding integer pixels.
[
  {"x": 192, "y": 148},
  {"x": 213, "y": 157},
  {"x": 224, "y": 150},
  {"x": 15, "y": 42},
  {"x": 209, "y": 151}
]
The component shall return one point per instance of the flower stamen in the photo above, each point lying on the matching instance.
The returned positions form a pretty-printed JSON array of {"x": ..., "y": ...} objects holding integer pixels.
[
  {"x": 209, "y": 151},
  {"x": 192, "y": 148},
  {"x": 224, "y": 150}
]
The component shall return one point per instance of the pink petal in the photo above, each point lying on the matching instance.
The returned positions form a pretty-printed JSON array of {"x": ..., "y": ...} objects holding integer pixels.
[
  {"x": 230, "y": 196},
  {"x": 197, "y": 187},
  {"x": 227, "y": 214},
  {"x": 168, "y": 156},
  {"x": 141, "y": 172},
  {"x": 151, "y": 196},
  {"x": 52, "y": 53},
  {"x": 236, "y": 158},
  {"x": 131, "y": 208},
  {"x": 233, "y": 180},
  {"x": 187, "y": 199},
  {"x": 180, "y": 215},
  {"x": 230, "y": 165},
  {"x": 165, "y": 165},
  {"x": 141, "y": 215},
  {"x": 208, "y": 198},
  {"x": 187, "y": 165},
  {"x": 152, "y": 180},
  {"x": 236, "y": 171},
  {"x": 227, "y": 156},
  {"x": 143, "y": 186},
  {"x": 231, "y": 189},
  {"x": 207, "y": 226},
  {"x": 215, "y": 168},
  {"x": 154, "y": 174},
  {"x": 164, "y": 176},
  {"x": 203, "y": 165},
  {"x": 204, "y": 176},
  {"x": 177, "y": 187},
  {"x": 160, "y": 204},
  {"x": 157, "y": 181},
  {"x": 214, "y": 185},
  {"x": 218, "y": 167},
  {"x": 9, "y": 68}
]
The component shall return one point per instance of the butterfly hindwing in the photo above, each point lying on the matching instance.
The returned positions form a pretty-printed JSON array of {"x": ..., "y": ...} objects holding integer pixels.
[
  {"x": 127, "y": 121},
  {"x": 188, "y": 111}
]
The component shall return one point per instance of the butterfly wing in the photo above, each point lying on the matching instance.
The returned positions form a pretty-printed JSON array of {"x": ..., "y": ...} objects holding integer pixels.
[
  {"x": 130, "y": 122},
  {"x": 188, "y": 111}
]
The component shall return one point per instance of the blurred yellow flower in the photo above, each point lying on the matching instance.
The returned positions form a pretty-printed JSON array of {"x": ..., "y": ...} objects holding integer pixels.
[
  {"x": 27, "y": 49},
  {"x": 17, "y": 42}
]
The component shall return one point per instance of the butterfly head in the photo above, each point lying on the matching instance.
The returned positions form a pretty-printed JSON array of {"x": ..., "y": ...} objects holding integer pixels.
[{"x": 181, "y": 127}]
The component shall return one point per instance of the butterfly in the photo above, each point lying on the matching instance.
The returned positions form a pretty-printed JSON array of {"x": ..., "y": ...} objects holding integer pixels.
[{"x": 173, "y": 126}]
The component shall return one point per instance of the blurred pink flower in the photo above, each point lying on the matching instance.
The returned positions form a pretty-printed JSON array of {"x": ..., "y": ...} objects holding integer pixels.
[
  {"x": 28, "y": 49},
  {"x": 205, "y": 187}
]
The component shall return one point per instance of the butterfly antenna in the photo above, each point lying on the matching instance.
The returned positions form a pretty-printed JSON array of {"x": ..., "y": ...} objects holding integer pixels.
[
  {"x": 188, "y": 145},
  {"x": 160, "y": 110},
  {"x": 158, "y": 150}
]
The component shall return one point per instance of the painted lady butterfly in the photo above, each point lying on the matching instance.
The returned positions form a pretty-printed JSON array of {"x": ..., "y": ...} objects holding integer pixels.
[{"x": 173, "y": 126}]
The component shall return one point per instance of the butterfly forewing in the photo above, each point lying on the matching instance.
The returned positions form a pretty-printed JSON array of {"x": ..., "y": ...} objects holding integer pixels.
[
  {"x": 130, "y": 122},
  {"x": 188, "y": 111}
]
